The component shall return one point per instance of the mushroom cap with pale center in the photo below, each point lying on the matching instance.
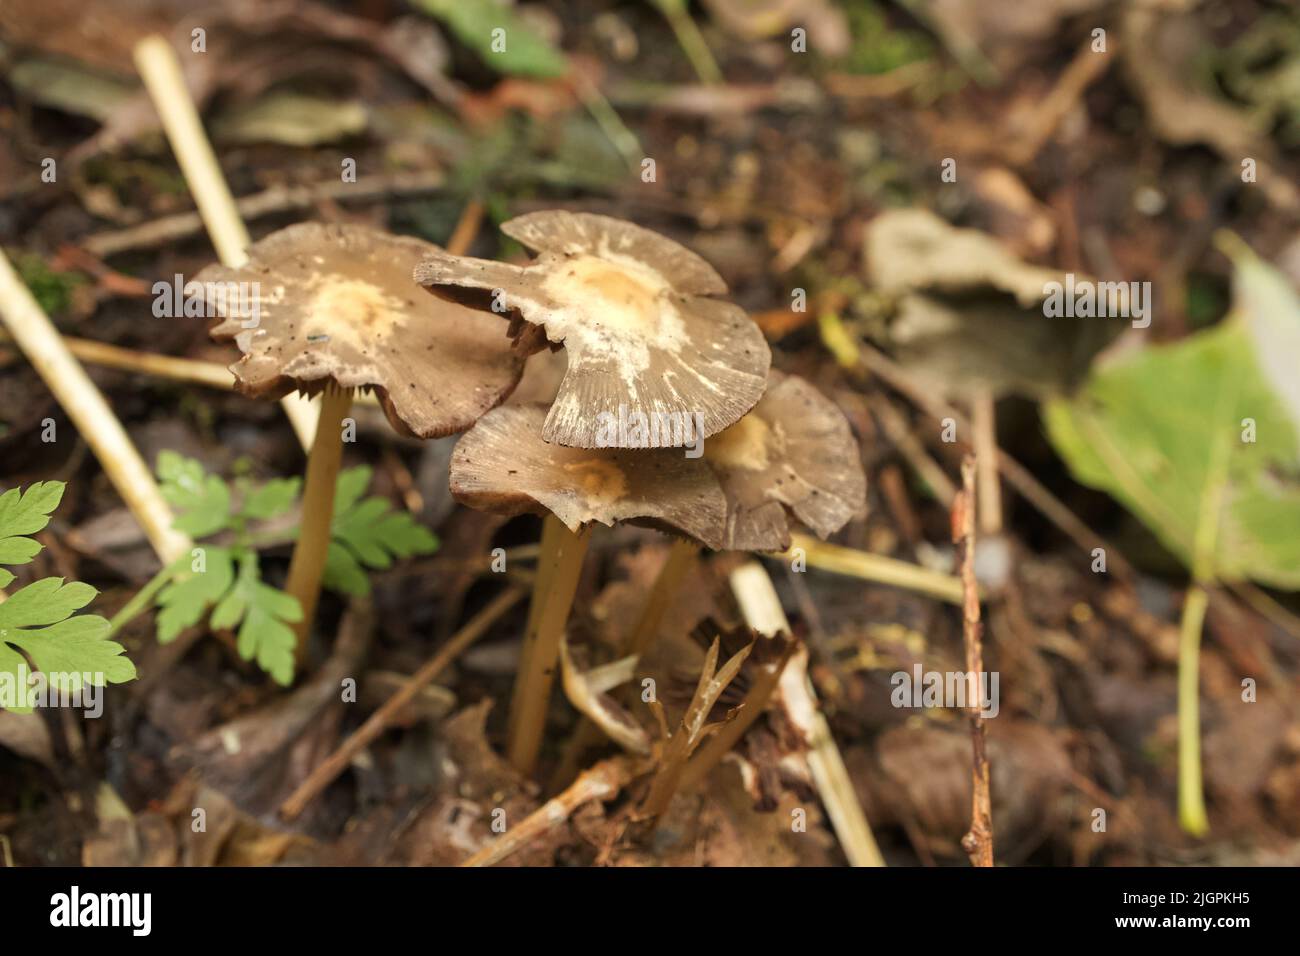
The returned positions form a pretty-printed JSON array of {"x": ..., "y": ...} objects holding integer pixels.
[
  {"x": 794, "y": 451},
  {"x": 320, "y": 303},
  {"x": 503, "y": 465},
  {"x": 636, "y": 315}
]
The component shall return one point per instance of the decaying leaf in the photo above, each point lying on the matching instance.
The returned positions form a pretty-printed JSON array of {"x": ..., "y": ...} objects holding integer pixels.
[{"x": 970, "y": 314}]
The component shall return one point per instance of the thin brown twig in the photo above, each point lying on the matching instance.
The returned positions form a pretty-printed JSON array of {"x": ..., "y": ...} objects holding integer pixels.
[
  {"x": 978, "y": 843},
  {"x": 329, "y": 769}
]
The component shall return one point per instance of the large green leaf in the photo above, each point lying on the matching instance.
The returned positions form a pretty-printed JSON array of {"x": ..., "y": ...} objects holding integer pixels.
[{"x": 1167, "y": 431}]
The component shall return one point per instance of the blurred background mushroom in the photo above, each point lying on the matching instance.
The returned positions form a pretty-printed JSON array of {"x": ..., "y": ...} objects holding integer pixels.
[{"x": 331, "y": 309}]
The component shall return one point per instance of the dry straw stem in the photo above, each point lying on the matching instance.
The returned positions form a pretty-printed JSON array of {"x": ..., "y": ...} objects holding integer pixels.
[
  {"x": 161, "y": 73},
  {"x": 558, "y": 570},
  {"x": 681, "y": 745},
  {"x": 328, "y": 770},
  {"x": 763, "y": 612},
  {"x": 600, "y": 782},
  {"x": 875, "y": 567},
  {"x": 169, "y": 367},
  {"x": 978, "y": 843},
  {"x": 41, "y": 343}
]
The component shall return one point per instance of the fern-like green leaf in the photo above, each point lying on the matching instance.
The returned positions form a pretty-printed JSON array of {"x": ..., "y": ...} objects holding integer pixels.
[
  {"x": 187, "y": 596},
  {"x": 265, "y": 613},
  {"x": 203, "y": 500},
  {"x": 69, "y": 650},
  {"x": 24, "y": 513},
  {"x": 368, "y": 534}
]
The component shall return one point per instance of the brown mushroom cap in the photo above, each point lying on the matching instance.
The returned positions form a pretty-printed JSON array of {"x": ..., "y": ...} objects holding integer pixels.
[
  {"x": 335, "y": 303},
  {"x": 633, "y": 312},
  {"x": 503, "y": 465},
  {"x": 795, "y": 450}
]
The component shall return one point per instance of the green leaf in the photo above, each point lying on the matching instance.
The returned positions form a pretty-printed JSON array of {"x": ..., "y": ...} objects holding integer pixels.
[
  {"x": 202, "y": 499},
  {"x": 343, "y": 573},
  {"x": 24, "y": 513},
  {"x": 186, "y": 597},
  {"x": 70, "y": 650},
  {"x": 526, "y": 52},
  {"x": 264, "y": 635},
  {"x": 273, "y": 498},
  {"x": 351, "y": 485},
  {"x": 370, "y": 535},
  {"x": 1165, "y": 431}
]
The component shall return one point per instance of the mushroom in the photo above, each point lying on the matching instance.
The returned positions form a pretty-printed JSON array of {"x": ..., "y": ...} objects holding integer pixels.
[
  {"x": 504, "y": 465},
  {"x": 324, "y": 308},
  {"x": 794, "y": 452},
  {"x": 648, "y": 343}
]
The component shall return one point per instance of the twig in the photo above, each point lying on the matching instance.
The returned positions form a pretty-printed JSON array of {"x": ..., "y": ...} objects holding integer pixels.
[
  {"x": 328, "y": 770},
  {"x": 275, "y": 199},
  {"x": 1017, "y": 476},
  {"x": 1086, "y": 67},
  {"x": 162, "y": 76},
  {"x": 169, "y": 367},
  {"x": 875, "y": 567},
  {"x": 85, "y": 405},
  {"x": 600, "y": 782},
  {"x": 763, "y": 612},
  {"x": 978, "y": 843},
  {"x": 691, "y": 40},
  {"x": 467, "y": 227},
  {"x": 984, "y": 423}
]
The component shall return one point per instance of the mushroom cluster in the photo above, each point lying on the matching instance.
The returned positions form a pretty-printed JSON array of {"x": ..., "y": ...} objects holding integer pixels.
[{"x": 656, "y": 363}]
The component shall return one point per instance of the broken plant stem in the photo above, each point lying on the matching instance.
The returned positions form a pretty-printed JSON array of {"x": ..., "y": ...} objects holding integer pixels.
[
  {"x": 874, "y": 567},
  {"x": 308, "y": 561},
  {"x": 679, "y": 747},
  {"x": 763, "y": 612},
  {"x": 558, "y": 570},
  {"x": 978, "y": 842},
  {"x": 161, "y": 72},
  {"x": 755, "y": 702},
  {"x": 329, "y": 769},
  {"x": 600, "y": 782},
  {"x": 40, "y": 341}
]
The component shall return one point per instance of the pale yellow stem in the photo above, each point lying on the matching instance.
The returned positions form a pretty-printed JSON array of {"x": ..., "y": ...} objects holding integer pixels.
[
  {"x": 85, "y": 405},
  {"x": 558, "y": 570},
  {"x": 161, "y": 72}
]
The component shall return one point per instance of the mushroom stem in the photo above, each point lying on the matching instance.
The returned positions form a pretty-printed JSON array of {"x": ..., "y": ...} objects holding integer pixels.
[
  {"x": 308, "y": 561},
  {"x": 680, "y": 558},
  {"x": 558, "y": 569}
]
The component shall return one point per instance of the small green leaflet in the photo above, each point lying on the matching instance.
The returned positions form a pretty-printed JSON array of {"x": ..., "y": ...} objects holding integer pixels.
[
  {"x": 273, "y": 498},
  {"x": 368, "y": 534},
  {"x": 202, "y": 499},
  {"x": 187, "y": 596},
  {"x": 21, "y": 514},
  {"x": 501, "y": 38},
  {"x": 264, "y": 635}
]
